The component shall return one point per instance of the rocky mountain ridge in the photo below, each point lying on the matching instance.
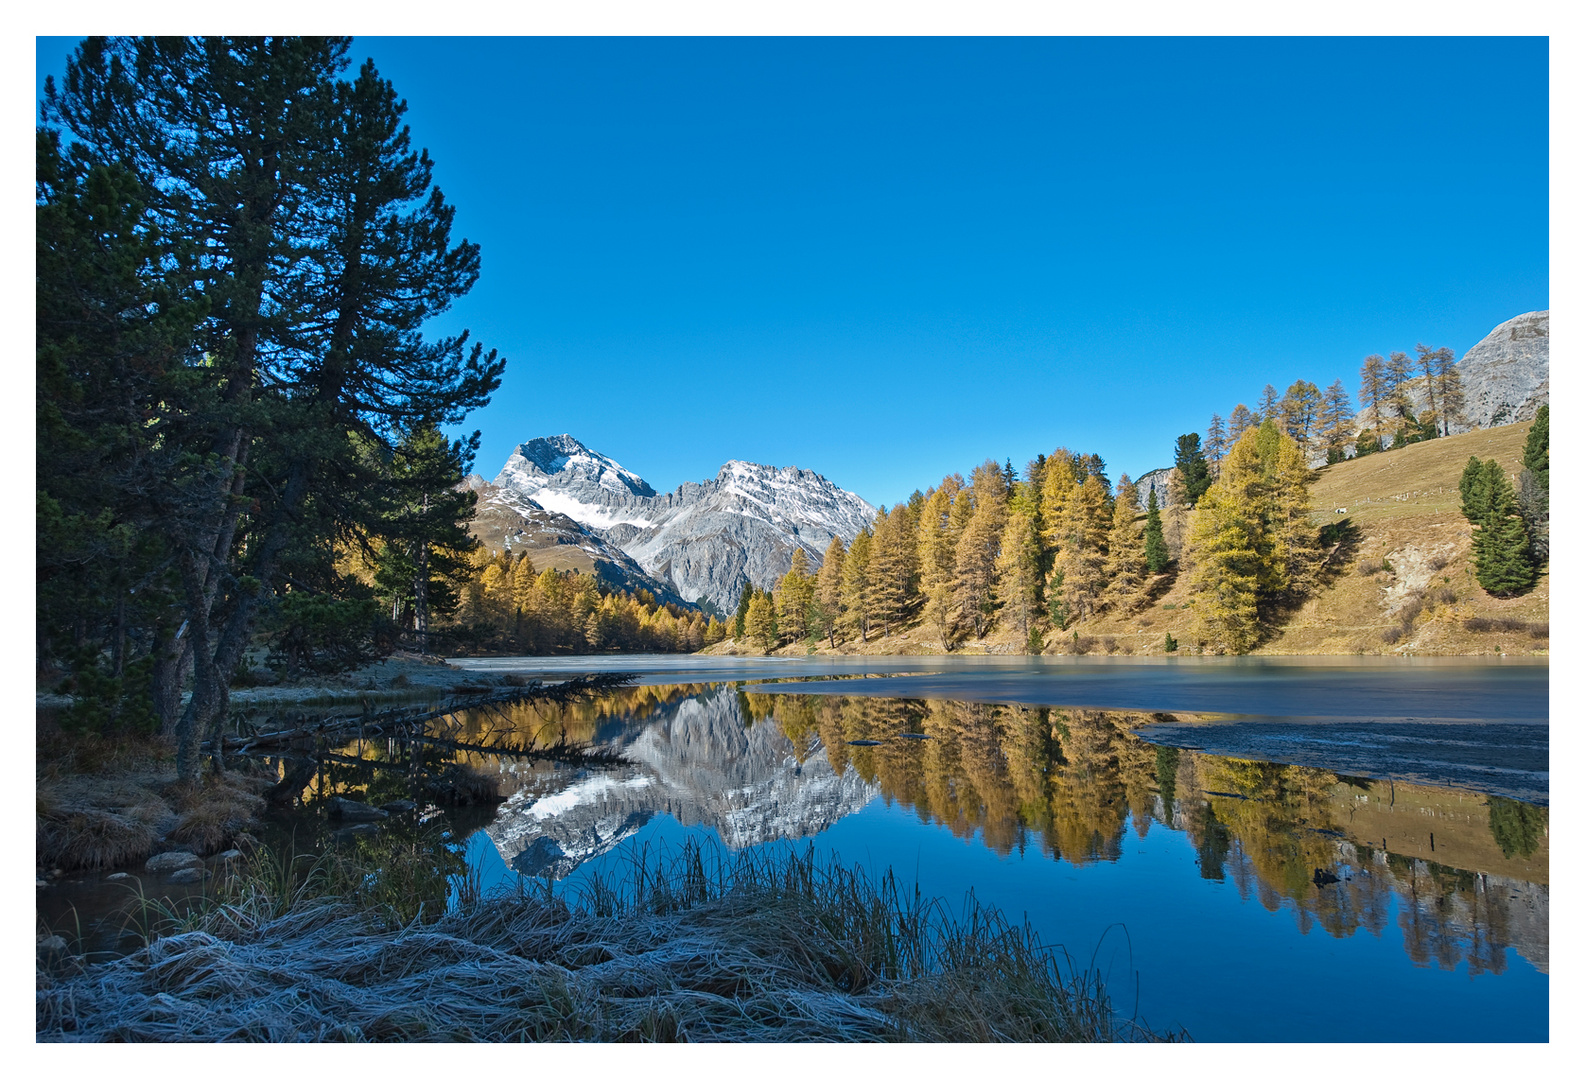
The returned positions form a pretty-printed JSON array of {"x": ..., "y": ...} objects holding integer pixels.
[{"x": 704, "y": 541}]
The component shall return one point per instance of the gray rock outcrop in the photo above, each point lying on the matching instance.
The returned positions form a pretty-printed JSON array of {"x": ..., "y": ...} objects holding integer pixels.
[
  {"x": 171, "y": 861},
  {"x": 1156, "y": 480},
  {"x": 1505, "y": 374},
  {"x": 706, "y": 540}
]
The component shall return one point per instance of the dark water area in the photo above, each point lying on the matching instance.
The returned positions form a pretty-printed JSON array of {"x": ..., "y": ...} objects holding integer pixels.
[
  {"x": 1218, "y": 887},
  {"x": 1398, "y": 688}
]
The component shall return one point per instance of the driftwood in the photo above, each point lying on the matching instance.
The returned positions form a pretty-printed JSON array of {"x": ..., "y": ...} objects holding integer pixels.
[
  {"x": 306, "y": 745},
  {"x": 390, "y": 721}
]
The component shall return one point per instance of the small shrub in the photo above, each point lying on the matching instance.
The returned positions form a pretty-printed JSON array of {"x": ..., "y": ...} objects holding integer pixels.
[
  {"x": 1443, "y": 596},
  {"x": 1411, "y": 611},
  {"x": 1479, "y": 625},
  {"x": 1392, "y": 634},
  {"x": 1172, "y": 643},
  {"x": 1438, "y": 562},
  {"x": 1538, "y": 630},
  {"x": 1368, "y": 567},
  {"x": 401, "y": 682}
]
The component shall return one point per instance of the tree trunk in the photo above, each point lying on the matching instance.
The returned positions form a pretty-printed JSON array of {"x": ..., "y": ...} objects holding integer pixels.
[{"x": 170, "y": 658}]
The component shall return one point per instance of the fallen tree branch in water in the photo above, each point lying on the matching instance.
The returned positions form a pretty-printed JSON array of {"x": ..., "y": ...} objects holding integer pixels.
[{"x": 372, "y": 724}]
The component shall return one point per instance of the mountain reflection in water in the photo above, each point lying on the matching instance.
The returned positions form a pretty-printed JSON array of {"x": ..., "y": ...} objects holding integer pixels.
[{"x": 1464, "y": 876}]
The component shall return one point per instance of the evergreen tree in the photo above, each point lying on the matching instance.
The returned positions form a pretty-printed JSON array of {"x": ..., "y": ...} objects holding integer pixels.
[
  {"x": 321, "y": 250},
  {"x": 1299, "y": 409},
  {"x": 1477, "y": 488},
  {"x": 1156, "y": 553},
  {"x": 828, "y": 589},
  {"x": 1269, "y": 408},
  {"x": 114, "y": 345},
  {"x": 854, "y": 588},
  {"x": 1374, "y": 398},
  {"x": 1251, "y": 543},
  {"x": 739, "y": 626},
  {"x": 1336, "y": 420},
  {"x": 938, "y": 548},
  {"x": 1533, "y": 494},
  {"x": 1018, "y": 584},
  {"x": 1239, "y": 422},
  {"x": 1191, "y": 464},
  {"x": 760, "y": 622},
  {"x": 1084, "y": 553},
  {"x": 893, "y": 567},
  {"x": 795, "y": 596},
  {"x": 426, "y": 518},
  {"x": 1125, "y": 568},
  {"x": 975, "y": 562},
  {"x": 1502, "y": 547},
  {"x": 1216, "y": 443},
  {"x": 1535, "y": 456}
]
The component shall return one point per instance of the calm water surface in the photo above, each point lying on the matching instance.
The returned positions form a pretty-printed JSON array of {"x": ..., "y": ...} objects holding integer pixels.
[
  {"x": 1240, "y": 900},
  {"x": 1274, "y": 850}
]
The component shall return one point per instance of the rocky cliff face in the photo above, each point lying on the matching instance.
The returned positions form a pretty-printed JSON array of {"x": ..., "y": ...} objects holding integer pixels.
[
  {"x": 1505, "y": 374},
  {"x": 505, "y": 520},
  {"x": 696, "y": 761},
  {"x": 707, "y": 539}
]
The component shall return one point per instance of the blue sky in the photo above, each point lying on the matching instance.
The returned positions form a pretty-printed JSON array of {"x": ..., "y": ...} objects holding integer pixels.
[{"x": 886, "y": 260}]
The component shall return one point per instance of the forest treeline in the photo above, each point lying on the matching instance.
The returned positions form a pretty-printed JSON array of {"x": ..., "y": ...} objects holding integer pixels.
[
  {"x": 1403, "y": 400},
  {"x": 1044, "y": 553},
  {"x": 509, "y": 606}
]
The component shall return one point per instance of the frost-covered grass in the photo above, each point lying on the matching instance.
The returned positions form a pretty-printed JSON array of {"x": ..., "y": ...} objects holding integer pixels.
[{"x": 680, "y": 947}]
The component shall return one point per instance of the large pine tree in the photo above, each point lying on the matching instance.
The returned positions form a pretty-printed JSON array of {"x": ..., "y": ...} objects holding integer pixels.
[
  {"x": 1192, "y": 467},
  {"x": 294, "y": 204}
]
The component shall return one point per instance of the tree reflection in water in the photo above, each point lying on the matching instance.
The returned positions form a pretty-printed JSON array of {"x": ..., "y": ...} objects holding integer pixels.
[{"x": 1334, "y": 850}]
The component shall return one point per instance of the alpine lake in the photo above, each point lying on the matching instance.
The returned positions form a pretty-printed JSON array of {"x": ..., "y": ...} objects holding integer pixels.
[{"x": 1277, "y": 849}]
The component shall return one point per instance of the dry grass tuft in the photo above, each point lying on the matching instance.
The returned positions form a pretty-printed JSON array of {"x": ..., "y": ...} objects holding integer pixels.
[
  {"x": 87, "y": 838},
  {"x": 749, "y": 948}
]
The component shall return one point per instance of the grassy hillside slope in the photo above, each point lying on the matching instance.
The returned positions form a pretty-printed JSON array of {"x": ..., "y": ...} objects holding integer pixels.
[{"x": 1400, "y": 583}]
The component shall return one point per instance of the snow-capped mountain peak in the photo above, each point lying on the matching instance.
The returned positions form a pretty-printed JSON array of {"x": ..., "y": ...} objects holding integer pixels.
[
  {"x": 540, "y": 462},
  {"x": 709, "y": 539}
]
